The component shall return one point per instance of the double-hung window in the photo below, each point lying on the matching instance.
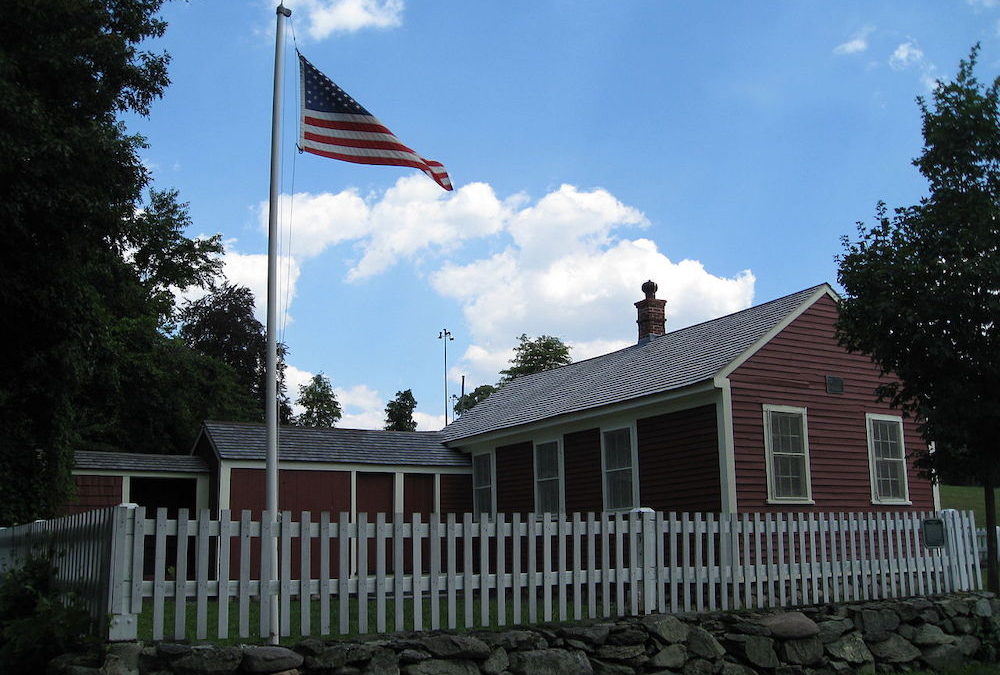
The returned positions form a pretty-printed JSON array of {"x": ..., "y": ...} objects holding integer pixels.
[
  {"x": 786, "y": 449},
  {"x": 548, "y": 478},
  {"x": 482, "y": 484},
  {"x": 619, "y": 470},
  {"x": 887, "y": 459}
]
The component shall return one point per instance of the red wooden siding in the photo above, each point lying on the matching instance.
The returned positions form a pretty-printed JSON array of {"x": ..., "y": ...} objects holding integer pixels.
[
  {"x": 456, "y": 493},
  {"x": 679, "y": 461},
  {"x": 376, "y": 494},
  {"x": 95, "y": 492},
  {"x": 515, "y": 478},
  {"x": 582, "y": 471},
  {"x": 298, "y": 491},
  {"x": 791, "y": 370},
  {"x": 418, "y": 494}
]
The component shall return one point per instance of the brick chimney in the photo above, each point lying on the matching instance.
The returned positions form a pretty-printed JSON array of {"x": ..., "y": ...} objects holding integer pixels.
[{"x": 651, "y": 314}]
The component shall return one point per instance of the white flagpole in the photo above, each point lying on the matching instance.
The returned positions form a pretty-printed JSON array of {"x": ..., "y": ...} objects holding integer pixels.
[{"x": 271, "y": 403}]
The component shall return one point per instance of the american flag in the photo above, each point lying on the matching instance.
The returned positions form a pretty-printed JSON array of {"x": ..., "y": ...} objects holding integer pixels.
[{"x": 333, "y": 124}]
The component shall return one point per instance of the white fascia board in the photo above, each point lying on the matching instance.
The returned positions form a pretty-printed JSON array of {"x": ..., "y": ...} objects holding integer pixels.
[
  {"x": 590, "y": 418},
  {"x": 343, "y": 466},
  {"x": 141, "y": 474},
  {"x": 823, "y": 290}
]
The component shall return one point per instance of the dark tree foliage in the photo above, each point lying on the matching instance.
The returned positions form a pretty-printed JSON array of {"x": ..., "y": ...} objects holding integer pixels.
[
  {"x": 147, "y": 391},
  {"x": 70, "y": 178},
  {"x": 165, "y": 259},
  {"x": 399, "y": 412},
  {"x": 923, "y": 288},
  {"x": 533, "y": 356},
  {"x": 468, "y": 401},
  {"x": 222, "y": 325},
  {"x": 321, "y": 408}
]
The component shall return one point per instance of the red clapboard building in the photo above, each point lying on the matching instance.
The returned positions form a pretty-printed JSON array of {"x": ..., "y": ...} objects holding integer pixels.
[
  {"x": 335, "y": 470},
  {"x": 760, "y": 410}
]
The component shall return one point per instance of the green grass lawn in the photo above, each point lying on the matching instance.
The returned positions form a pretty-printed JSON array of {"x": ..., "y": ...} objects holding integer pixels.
[
  {"x": 964, "y": 499},
  {"x": 145, "y": 626}
]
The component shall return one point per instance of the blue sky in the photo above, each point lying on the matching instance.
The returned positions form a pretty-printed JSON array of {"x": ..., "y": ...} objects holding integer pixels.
[{"x": 721, "y": 150}]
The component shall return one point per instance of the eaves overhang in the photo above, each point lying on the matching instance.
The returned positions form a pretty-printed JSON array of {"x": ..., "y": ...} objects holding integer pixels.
[{"x": 703, "y": 387}]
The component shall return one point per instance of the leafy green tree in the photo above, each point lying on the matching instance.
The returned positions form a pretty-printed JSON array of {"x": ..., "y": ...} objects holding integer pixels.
[
  {"x": 70, "y": 179},
  {"x": 467, "y": 402},
  {"x": 399, "y": 412},
  {"x": 533, "y": 356},
  {"x": 146, "y": 387},
  {"x": 164, "y": 259},
  {"x": 923, "y": 288},
  {"x": 320, "y": 403},
  {"x": 222, "y": 325}
]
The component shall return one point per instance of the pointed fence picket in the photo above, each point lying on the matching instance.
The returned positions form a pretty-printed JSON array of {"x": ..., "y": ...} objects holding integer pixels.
[{"x": 378, "y": 573}]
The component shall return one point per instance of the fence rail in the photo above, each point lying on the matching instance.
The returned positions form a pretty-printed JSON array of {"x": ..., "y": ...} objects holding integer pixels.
[
  {"x": 338, "y": 575},
  {"x": 981, "y": 541}
]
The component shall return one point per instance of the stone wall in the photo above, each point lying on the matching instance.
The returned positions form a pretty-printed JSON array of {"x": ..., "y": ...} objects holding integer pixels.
[{"x": 937, "y": 633}]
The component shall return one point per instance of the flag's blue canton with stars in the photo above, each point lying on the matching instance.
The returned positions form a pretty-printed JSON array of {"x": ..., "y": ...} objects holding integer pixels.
[{"x": 333, "y": 124}]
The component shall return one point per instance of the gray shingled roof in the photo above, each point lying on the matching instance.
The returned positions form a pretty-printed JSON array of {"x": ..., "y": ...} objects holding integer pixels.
[
  {"x": 135, "y": 461},
  {"x": 233, "y": 440},
  {"x": 672, "y": 361}
]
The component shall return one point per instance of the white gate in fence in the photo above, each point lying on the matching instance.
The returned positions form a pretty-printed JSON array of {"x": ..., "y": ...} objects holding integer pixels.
[{"x": 341, "y": 576}]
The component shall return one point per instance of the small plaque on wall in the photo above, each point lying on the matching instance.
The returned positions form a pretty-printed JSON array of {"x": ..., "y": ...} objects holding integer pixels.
[{"x": 834, "y": 384}]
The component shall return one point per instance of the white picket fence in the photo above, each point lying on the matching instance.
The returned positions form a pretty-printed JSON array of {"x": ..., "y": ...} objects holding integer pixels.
[
  {"x": 341, "y": 576},
  {"x": 981, "y": 541}
]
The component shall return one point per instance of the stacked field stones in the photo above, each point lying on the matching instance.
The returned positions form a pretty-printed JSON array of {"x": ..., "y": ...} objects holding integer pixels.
[{"x": 874, "y": 637}]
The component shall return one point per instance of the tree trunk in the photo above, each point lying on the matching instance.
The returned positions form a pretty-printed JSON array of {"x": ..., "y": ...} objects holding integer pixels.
[{"x": 993, "y": 583}]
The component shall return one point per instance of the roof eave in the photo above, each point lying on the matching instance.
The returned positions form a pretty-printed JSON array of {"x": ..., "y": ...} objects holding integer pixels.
[
  {"x": 822, "y": 290},
  {"x": 694, "y": 389}
]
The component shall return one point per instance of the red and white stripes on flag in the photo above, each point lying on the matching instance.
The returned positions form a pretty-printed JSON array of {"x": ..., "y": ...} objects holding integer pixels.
[{"x": 332, "y": 124}]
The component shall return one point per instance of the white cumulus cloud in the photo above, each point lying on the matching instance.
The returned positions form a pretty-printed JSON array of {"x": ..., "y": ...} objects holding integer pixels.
[
  {"x": 908, "y": 55},
  {"x": 323, "y": 18},
  {"x": 411, "y": 218},
  {"x": 568, "y": 264},
  {"x": 250, "y": 270},
  {"x": 857, "y": 44},
  {"x": 566, "y": 274},
  {"x": 905, "y": 55}
]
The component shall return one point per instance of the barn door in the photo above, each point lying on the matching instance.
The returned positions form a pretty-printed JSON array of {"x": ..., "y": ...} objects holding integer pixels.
[{"x": 376, "y": 494}]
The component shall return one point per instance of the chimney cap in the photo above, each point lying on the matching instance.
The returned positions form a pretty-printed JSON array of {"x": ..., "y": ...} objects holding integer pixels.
[{"x": 650, "y": 288}]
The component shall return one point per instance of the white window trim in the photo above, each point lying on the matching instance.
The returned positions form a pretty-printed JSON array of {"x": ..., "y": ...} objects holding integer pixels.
[
  {"x": 634, "y": 447},
  {"x": 493, "y": 483},
  {"x": 561, "y": 471},
  {"x": 769, "y": 454},
  {"x": 872, "y": 473}
]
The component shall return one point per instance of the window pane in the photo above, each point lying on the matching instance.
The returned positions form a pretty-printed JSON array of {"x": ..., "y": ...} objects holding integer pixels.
[
  {"x": 548, "y": 496},
  {"x": 786, "y": 433},
  {"x": 619, "y": 488},
  {"x": 483, "y": 500},
  {"x": 481, "y": 471},
  {"x": 617, "y": 449},
  {"x": 889, "y": 478},
  {"x": 885, "y": 439},
  {"x": 789, "y": 475},
  {"x": 547, "y": 461}
]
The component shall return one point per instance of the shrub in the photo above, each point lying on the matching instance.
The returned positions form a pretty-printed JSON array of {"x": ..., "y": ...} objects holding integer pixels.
[{"x": 37, "y": 622}]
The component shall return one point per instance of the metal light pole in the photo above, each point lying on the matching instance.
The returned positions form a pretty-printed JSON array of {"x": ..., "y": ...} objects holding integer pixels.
[{"x": 445, "y": 335}]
